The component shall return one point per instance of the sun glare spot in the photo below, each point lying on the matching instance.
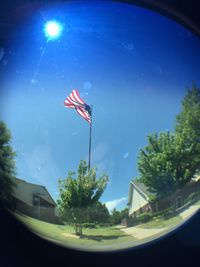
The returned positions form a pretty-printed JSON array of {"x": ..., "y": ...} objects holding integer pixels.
[{"x": 53, "y": 30}]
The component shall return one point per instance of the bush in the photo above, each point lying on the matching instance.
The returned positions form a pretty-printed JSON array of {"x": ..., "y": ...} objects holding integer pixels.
[
  {"x": 157, "y": 217},
  {"x": 162, "y": 213},
  {"x": 89, "y": 225},
  {"x": 169, "y": 214},
  {"x": 143, "y": 218},
  {"x": 104, "y": 224},
  {"x": 130, "y": 221}
]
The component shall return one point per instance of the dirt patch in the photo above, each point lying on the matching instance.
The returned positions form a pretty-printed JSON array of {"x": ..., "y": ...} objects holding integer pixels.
[{"x": 71, "y": 235}]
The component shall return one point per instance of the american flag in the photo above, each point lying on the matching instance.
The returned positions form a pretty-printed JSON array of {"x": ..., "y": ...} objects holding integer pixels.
[{"x": 75, "y": 101}]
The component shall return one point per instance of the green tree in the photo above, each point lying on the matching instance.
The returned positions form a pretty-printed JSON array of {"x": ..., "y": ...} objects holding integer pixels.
[
  {"x": 77, "y": 194},
  {"x": 98, "y": 213},
  {"x": 7, "y": 166},
  {"x": 124, "y": 213},
  {"x": 115, "y": 217},
  {"x": 164, "y": 164},
  {"x": 188, "y": 126},
  {"x": 169, "y": 161}
]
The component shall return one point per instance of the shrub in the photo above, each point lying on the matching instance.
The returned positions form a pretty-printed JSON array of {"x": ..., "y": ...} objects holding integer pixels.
[
  {"x": 104, "y": 224},
  {"x": 169, "y": 214},
  {"x": 157, "y": 217},
  {"x": 143, "y": 218},
  {"x": 162, "y": 213},
  {"x": 89, "y": 225},
  {"x": 158, "y": 214},
  {"x": 130, "y": 221}
]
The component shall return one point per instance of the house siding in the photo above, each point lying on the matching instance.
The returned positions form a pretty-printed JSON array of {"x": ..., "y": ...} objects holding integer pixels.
[
  {"x": 24, "y": 191},
  {"x": 22, "y": 207},
  {"x": 138, "y": 202},
  {"x": 34, "y": 201}
]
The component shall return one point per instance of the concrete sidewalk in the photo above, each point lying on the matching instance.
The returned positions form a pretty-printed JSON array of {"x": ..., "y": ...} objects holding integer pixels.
[
  {"x": 189, "y": 212},
  {"x": 141, "y": 233}
]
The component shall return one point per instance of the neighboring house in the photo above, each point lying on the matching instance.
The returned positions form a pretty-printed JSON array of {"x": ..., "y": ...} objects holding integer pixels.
[
  {"x": 34, "y": 200},
  {"x": 138, "y": 198}
]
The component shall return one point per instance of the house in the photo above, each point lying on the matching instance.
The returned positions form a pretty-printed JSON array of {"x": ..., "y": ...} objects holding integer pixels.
[
  {"x": 139, "y": 198},
  {"x": 34, "y": 200}
]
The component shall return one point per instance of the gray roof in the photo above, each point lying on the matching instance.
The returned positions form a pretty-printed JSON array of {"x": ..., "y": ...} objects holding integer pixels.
[{"x": 142, "y": 187}]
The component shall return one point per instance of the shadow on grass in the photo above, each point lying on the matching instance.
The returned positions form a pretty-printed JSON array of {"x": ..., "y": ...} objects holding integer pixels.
[
  {"x": 101, "y": 237},
  {"x": 119, "y": 228}
]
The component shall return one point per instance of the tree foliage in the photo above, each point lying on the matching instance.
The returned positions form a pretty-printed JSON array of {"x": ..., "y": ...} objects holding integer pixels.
[
  {"x": 77, "y": 194},
  {"x": 117, "y": 216},
  {"x": 170, "y": 160},
  {"x": 98, "y": 213},
  {"x": 7, "y": 166},
  {"x": 163, "y": 164},
  {"x": 188, "y": 125}
]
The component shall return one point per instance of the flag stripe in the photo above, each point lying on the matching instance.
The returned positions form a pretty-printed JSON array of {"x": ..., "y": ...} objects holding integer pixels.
[
  {"x": 83, "y": 114},
  {"x": 74, "y": 100},
  {"x": 68, "y": 104},
  {"x": 77, "y": 97}
]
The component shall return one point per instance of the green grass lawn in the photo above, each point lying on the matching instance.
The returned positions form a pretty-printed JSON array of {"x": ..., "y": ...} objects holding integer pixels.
[
  {"x": 162, "y": 223},
  {"x": 197, "y": 202},
  {"x": 101, "y": 238},
  {"x": 95, "y": 239}
]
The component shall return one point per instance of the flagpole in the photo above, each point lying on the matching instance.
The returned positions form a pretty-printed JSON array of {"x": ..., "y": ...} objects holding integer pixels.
[{"x": 90, "y": 139}]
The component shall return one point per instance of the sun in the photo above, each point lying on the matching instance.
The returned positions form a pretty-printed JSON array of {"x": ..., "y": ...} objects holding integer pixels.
[{"x": 53, "y": 29}]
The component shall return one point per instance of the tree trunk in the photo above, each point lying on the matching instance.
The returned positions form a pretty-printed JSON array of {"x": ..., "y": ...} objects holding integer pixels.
[{"x": 78, "y": 229}]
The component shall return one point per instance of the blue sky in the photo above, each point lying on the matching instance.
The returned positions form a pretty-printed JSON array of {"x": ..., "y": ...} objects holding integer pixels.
[{"x": 131, "y": 64}]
